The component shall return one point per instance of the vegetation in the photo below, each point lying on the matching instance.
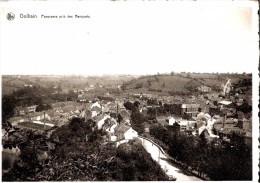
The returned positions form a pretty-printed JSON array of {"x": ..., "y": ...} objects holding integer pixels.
[
  {"x": 207, "y": 157},
  {"x": 137, "y": 119},
  {"x": 134, "y": 163},
  {"x": 8, "y": 106},
  {"x": 182, "y": 83},
  {"x": 76, "y": 153},
  {"x": 42, "y": 107},
  {"x": 31, "y": 96}
]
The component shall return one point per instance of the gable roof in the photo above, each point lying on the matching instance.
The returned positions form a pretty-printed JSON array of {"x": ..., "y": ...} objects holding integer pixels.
[
  {"x": 190, "y": 105},
  {"x": 95, "y": 108},
  {"x": 125, "y": 113},
  {"x": 122, "y": 128},
  {"x": 225, "y": 102}
]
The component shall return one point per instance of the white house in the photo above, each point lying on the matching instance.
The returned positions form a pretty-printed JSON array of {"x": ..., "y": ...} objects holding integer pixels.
[
  {"x": 94, "y": 113},
  {"x": 111, "y": 130},
  {"x": 130, "y": 134},
  {"x": 171, "y": 121},
  {"x": 102, "y": 121},
  {"x": 125, "y": 132},
  {"x": 96, "y": 104}
]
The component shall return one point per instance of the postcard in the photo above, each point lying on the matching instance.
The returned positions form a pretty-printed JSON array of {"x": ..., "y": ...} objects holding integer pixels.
[{"x": 129, "y": 91}]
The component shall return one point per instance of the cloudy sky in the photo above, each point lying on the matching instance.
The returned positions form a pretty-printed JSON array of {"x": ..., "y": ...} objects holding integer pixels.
[{"x": 129, "y": 38}]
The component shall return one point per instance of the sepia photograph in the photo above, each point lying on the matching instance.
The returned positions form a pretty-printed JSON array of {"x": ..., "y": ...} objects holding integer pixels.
[{"x": 129, "y": 91}]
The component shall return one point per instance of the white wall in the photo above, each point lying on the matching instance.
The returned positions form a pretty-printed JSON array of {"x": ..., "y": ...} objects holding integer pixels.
[{"x": 130, "y": 134}]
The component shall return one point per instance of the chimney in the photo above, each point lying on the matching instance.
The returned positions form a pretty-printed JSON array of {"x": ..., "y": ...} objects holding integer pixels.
[{"x": 225, "y": 117}]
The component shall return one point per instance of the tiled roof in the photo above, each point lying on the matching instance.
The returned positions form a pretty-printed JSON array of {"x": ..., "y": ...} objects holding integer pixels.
[
  {"x": 125, "y": 114},
  {"x": 190, "y": 105},
  {"x": 122, "y": 128},
  {"x": 95, "y": 108}
]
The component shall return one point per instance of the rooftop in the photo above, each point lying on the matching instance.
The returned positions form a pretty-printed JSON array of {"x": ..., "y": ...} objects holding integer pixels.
[
  {"x": 190, "y": 105},
  {"x": 122, "y": 128}
]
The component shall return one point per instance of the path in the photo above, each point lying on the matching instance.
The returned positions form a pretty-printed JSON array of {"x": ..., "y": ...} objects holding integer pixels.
[{"x": 161, "y": 158}]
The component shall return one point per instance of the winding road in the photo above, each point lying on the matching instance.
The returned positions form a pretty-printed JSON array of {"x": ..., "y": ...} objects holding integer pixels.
[{"x": 161, "y": 158}]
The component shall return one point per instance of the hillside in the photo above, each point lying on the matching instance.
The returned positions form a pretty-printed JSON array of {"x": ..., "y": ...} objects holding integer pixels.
[
  {"x": 179, "y": 82},
  {"x": 11, "y": 83},
  {"x": 70, "y": 157}
]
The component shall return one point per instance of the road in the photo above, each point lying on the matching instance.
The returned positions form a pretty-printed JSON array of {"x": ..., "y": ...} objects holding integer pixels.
[
  {"x": 177, "y": 172},
  {"x": 163, "y": 161}
]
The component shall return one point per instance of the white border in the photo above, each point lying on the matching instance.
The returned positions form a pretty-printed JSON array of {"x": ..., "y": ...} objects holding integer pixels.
[{"x": 5, "y": 7}]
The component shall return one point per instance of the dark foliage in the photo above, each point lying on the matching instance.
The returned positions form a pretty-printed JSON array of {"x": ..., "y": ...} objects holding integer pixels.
[
  {"x": 43, "y": 107},
  {"x": 135, "y": 164},
  {"x": 73, "y": 157},
  {"x": 8, "y": 106},
  {"x": 129, "y": 105},
  {"x": 137, "y": 121},
  {"x": 208, "y": 157}
]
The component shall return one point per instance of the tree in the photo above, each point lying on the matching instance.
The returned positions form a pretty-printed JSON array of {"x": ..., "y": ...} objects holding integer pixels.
[
  {"x": 134, "y": 163},
  {"x": 128, "y": 105},
  {"x": 137, "y": 121},
  {"x": 136, "y": 104},
  {"x": 8, "y": 106},
  {"x": 151, "y": 112},
  {"x": 163, "y": 85},
  {"x": 42, "y": 107}
]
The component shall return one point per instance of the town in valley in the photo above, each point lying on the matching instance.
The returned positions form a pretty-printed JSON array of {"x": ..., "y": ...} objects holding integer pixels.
[{"x": 157, "y": 127}]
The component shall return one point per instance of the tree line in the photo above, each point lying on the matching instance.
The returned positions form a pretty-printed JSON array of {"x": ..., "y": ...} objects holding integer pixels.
[{"x": 207, "y": 157}]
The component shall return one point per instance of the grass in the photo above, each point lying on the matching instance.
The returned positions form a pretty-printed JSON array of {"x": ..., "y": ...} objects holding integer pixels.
[{"x": 178, "y": 82}]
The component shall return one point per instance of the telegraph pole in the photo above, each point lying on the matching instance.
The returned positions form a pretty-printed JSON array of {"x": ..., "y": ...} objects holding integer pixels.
[{"x": 159, "y": 156}]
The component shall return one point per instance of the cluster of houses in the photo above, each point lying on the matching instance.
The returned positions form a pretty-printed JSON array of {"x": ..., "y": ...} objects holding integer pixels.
[
  {"x": 106, "y": 117},
  {"x": 223, "y": 119},
  {"x": 104, "y": 114},
  {"x": 208, "y": 113},
  {"x": 193, "y": 115}
]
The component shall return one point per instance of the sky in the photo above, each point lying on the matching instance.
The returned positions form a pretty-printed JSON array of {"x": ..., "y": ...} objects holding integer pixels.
[{"x": 129, "y": 38}]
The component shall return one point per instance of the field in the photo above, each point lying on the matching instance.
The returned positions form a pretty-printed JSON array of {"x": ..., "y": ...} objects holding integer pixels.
[{"x": 181, "y": 82}]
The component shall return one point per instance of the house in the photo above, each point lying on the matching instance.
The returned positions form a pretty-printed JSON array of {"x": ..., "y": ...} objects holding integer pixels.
[
  {"x": 204, "y": 88},
  {"x": 19, "y": 111},
  {"x": 32, "y": 108},
  {"x": 88, "y": 115},
  {"x": 229, "y": 133},
  {"x": 245, "y": 124},
  {"x": 54, "y": 114},
  {"x": 126, "y": 132},
  {"x": 105, "y": 109},
  {"x": 82, "y": 98},
  {"x": 214, "y": 110},
  {"x": 183, "y": 126},
  {"x": 101, "y": 122},
  {"x": 96, "y": 108},
  {"x": 35, "y": 125},
  {"x": 38, "y": 116},
  {"x": 15, "y": 120},
  {"x": 125, "y": 114},
  {"x": 225, "y": 103},
  {"x": 110, "y": 126},
  {"x": 171, "y": 121},
  {"x": 190, "y": 109},
  {"x": 96, "y": 104}
]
